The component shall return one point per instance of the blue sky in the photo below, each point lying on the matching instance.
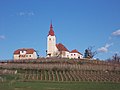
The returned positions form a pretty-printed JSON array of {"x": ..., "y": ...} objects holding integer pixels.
[{"x": 78, "y": 24}]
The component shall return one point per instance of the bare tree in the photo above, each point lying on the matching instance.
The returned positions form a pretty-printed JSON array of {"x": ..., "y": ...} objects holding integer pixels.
[
  {"x": 116, "y": 58},
  {"x": 89, "y": 53}
]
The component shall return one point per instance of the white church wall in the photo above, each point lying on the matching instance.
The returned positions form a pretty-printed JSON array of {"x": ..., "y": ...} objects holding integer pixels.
[{"x": 51, "y": 46}]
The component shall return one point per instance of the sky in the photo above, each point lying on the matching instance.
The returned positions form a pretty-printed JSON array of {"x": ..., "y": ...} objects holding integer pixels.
[{"x": 78, "y": 24}]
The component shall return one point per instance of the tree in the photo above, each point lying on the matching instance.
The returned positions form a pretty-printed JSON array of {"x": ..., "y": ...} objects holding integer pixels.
[
  {"x": 37, "y": 51},
  {"x": 116, "y": 58},
  {"x": 89, "y": 53}
]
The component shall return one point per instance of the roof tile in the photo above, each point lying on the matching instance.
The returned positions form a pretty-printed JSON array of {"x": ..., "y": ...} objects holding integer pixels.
[
  {"x": 61, "y": 47},
  {"x": 75, "y": 51},
  {"x": 51, "y": 32},
  {"x": 28, "y": 50}
]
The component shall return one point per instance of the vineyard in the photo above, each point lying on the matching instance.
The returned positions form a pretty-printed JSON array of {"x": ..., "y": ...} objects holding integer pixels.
[
  {"x": 63, "y": 71},
  {"x": 71, "y": 75}
]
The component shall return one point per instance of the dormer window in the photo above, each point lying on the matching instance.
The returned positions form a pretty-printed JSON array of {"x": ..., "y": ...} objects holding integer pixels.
[{"x": 22, "y": 52}]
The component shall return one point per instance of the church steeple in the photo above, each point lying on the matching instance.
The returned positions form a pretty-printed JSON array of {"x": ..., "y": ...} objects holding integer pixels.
[
  {"x": 51, "y": 32},
  {"x": 51, "y": 43}
]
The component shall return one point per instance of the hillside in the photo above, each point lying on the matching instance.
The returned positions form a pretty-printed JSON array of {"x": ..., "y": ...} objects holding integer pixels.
[{"x": 60, "y": 70}]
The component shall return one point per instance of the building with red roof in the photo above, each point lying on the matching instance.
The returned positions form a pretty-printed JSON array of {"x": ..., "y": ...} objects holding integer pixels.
[
  {"x": 75, "y": 54},
  {"x": 25, "y": 53},
  {"x": 59, "y": 50},
  {"x": 63, "y": 51}
]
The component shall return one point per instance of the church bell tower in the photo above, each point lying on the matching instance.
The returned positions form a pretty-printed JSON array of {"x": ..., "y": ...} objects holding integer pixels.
[{"x": 51, "y": 43}]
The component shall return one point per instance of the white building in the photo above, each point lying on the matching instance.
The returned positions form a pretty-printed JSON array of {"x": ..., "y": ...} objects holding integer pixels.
[
  {"x": 75, "y": 54},
  {"x": 25, "y": 53},
  {"x": 59, "y": 50},
  {"x": 62, "y": 51}
]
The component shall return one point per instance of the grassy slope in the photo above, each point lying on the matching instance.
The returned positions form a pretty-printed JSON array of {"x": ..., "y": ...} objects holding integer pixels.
[{"x": 38, "y": 85}]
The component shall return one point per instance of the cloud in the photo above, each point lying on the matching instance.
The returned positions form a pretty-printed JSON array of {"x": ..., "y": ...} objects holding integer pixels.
[
  {"x": 2, "y": 37},
  {"x": 105, "y": 48},
  {"x": 21, "y": 13},
  {"x": 26, "y": 13},
  {"x": 116, "y": 33}
]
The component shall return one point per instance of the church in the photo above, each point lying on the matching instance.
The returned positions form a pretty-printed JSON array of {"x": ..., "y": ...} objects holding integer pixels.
[{"x": 59, "y": 50}]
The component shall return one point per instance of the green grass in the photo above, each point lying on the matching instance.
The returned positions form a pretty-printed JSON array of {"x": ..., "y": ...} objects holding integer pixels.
[
  {"x": 12, "y": 82},
  {"x": 40, "y": 85}
]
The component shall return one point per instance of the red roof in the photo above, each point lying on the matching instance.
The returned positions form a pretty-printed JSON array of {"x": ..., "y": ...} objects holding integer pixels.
[
  {"x": 51, "y": 32},
  {"x": 28, "y": 50},
  {"x": 61, "y": 47},
  {"x": 75, "y": 51}
]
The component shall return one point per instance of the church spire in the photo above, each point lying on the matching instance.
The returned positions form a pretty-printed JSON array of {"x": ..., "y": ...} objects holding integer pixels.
[{"x": 51, "y": 32}]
